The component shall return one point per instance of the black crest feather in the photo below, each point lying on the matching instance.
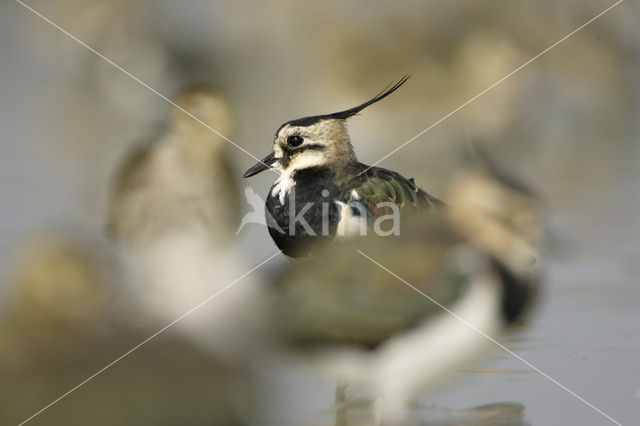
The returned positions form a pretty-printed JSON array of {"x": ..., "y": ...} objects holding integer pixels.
[{"x": 342, "y": 115}]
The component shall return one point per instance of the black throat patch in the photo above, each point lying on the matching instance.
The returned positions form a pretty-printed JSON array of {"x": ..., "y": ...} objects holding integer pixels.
[{"x": 309, "y": 215}]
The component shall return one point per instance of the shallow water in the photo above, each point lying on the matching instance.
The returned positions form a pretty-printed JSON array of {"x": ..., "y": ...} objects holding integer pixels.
[{"x": 584, "y": 333}]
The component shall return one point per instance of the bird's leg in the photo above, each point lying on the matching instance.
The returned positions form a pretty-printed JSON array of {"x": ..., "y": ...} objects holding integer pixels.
[{"x": 340, "y": 399}]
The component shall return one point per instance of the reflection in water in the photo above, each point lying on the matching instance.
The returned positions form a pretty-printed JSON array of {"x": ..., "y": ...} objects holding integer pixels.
[
  {"x": 500, "y": 413},
  {"x": 358, "y": 413}
]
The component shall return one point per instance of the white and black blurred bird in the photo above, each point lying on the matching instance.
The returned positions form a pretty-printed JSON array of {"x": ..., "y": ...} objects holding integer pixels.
[{"x": 398, "y": 314}]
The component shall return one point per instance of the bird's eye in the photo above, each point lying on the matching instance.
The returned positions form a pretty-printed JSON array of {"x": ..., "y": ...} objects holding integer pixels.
[{"x": 295, "y": 140}]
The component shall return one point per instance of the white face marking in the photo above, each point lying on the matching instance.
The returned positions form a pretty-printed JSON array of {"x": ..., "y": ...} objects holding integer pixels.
[
  {"x": 277, "y": 152},
  {"x": 301, "y": 160},
  {"x": 307, "y": 159},
  {"x": 285, "y": 182}
]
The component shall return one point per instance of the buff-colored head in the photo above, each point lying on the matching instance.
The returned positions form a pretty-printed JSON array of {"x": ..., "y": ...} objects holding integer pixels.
[
  {"x": 316, "y": 141},
  {"x": 324, "y": 143}
]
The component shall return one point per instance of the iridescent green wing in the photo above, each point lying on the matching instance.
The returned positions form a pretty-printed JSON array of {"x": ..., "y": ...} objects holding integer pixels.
[{"x": 376, "y": 185}]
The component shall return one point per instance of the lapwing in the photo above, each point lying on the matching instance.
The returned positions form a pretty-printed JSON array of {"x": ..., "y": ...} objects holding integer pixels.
[{"x": 324, "y": 191}]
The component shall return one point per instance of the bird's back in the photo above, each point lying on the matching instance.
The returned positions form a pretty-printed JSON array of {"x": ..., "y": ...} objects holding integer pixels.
[{"x": 376, "y": 185}]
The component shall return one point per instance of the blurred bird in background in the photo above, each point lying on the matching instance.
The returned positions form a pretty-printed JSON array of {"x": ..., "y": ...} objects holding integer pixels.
[
  {"x": 63, "y": 318},
  {"x": 351, "y": 310},
  {"x": 475, "y": 259},
  {"x": 174, "y": 210},
  {"x": 183, "y": 180},
  {"x": 60, "y": 289}
]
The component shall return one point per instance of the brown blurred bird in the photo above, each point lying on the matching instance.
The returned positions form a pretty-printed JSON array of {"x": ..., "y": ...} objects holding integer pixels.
[
  {"x": 62, "y": 320},
  {"x": 174, "y": 212},
  {"x": 58, "y": 296},
  {"x": 182, "y": 180}
]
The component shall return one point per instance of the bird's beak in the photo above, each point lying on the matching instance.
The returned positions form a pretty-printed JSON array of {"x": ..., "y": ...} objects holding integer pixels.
[{"x": 261, "y": 166}]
